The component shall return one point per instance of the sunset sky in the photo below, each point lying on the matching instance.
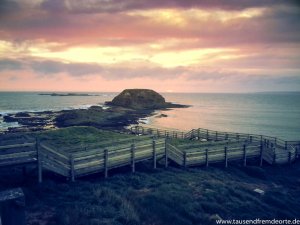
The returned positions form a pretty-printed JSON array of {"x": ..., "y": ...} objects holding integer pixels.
[{"x": 165, "y": 45}]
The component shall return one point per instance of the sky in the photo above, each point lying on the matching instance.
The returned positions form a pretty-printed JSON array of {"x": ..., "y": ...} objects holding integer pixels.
[{"x": 165, "y": 45}]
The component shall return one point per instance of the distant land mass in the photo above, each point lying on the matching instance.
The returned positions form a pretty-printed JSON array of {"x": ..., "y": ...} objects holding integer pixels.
[{"x": 67, "y": 94}]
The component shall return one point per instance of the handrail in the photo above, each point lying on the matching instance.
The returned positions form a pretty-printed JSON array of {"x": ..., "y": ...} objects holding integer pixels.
[{"x": 217, "y": 135}]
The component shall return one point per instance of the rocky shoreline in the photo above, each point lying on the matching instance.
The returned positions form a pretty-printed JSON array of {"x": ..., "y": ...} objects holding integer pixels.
[
  {"x": 95, "y": 116},
  {"x": 127, "y": 111},
  {"x": 112, "y": 118}
]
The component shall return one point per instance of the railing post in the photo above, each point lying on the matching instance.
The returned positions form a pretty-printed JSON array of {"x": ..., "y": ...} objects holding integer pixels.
[
  {"x": 265, "y": 142},
  {"x": 206, "y": 157},
  {"x": 245, "y": 155},
  {"x": 274, "y": 155},
  {"x": 290, "y": 157},
  {"x": 154, "y": 153},
  {"x": 226, "y": 157},
  {"x": 133, "y": 158},
  {"x": 198, "y": 133},
  {"x": 261, "y": 154},
  {"x": 72, "y": 167},
  {"x": 12, "y": 207},
  {"x": 39, "y": 160},
  {"x": 207, "y": 136},
  {"x": 182, "y": 135},
  {"x": 105, "y": 163},
  {"x": 166, "y": 153}
]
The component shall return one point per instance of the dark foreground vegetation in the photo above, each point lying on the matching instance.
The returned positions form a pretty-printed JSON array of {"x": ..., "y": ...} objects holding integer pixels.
[{"x": 162, "y": 196}]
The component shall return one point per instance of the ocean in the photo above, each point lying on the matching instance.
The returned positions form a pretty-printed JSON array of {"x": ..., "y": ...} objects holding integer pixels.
[{"x": 275, "y": 114}]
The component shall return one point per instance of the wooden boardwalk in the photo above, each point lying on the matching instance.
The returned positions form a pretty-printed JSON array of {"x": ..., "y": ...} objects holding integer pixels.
[
  {"x": 274, "y": 150},
  {"x": 194, "y": 148}
]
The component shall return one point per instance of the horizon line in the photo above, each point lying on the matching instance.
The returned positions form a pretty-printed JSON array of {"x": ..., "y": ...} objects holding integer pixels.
[{"x": 165, "y": 92}]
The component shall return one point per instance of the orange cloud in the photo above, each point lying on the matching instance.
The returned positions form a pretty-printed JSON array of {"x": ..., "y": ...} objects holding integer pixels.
[{"x": 189, "y": 43}]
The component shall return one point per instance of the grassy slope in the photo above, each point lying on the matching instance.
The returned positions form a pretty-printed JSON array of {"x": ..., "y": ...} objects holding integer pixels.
[
  {"x": 78, "y": 136},
  {"x": 162, "y": 196}
]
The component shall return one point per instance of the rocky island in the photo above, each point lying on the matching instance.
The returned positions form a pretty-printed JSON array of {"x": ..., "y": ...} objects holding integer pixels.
[
  {"x": 142, "y": 99},
  {"x": 125, "y": 109}
]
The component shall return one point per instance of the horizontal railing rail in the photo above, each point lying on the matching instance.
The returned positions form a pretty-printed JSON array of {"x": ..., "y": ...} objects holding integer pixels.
[{"x": 192, "y": 148}]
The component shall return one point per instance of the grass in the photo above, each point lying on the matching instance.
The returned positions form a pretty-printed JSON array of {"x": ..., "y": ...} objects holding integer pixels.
[{"x": 78, "y": 136}]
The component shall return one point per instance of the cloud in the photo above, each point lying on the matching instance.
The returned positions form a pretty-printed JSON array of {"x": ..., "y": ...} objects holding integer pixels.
[
  {"x": 48, "y": 67},
  {"x": 54, "y": 6},
  {"x": 8, "y": 64},
  {"x": 109, "y": 72},
  {"x": 8, "y": 6},
  {"x": 114, "y": 6},
  {"x": 278, "y": 23}
]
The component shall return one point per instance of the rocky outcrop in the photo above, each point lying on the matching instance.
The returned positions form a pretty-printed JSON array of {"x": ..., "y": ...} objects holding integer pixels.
[
  {"x": 141, "y": 99},
  {"x": 22, "y": 114}
]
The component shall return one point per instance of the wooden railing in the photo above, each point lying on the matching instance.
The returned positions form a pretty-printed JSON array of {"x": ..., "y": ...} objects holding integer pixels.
[
  {"x": 207, "y": 153},
  {"x": 204, "y": 148},
  {"x": 20, "y": 153},
  {"x": 140, "y": 130},
  {"x": 210, "y": 135},
  {"x": 78, "y": 162}
]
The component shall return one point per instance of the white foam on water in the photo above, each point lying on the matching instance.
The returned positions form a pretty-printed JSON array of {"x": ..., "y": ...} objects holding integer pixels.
[
  {"x": 144, "y": 120},
  {"x": 4, "y": 125}
]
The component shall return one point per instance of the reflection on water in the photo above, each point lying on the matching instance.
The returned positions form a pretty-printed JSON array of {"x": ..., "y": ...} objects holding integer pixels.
[{"x": 276, "y": 114}]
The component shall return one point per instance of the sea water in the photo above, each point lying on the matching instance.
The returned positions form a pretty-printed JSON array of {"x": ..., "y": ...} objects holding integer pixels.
[
  {"x": 274, "y": 114},
  {"x": 13, "y": 102}
]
